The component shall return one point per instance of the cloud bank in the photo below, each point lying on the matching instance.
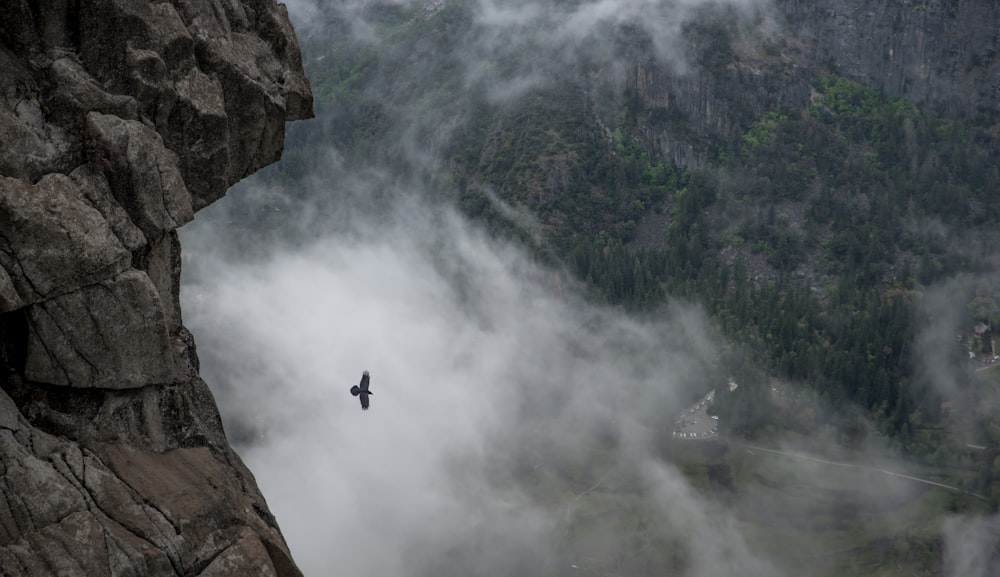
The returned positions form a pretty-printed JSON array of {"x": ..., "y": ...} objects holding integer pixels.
[{"x": 482, "y": 364}]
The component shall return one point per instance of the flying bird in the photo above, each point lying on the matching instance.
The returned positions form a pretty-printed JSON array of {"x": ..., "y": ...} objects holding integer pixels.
[{"x": 362, "y": 391}]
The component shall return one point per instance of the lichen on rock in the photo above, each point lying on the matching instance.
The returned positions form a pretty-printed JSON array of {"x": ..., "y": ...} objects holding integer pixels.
[{"x": 120, "y": 119}]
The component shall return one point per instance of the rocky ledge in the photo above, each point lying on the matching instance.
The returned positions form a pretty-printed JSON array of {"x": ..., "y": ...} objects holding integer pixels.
[{"x": 118, "y": 120}]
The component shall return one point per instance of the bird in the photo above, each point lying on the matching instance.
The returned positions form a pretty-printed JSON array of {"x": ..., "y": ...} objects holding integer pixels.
[{"x": 363, "y": 391}]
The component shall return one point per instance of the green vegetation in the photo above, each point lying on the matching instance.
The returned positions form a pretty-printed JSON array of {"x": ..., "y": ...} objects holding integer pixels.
[{"x": 842, "y": 168}]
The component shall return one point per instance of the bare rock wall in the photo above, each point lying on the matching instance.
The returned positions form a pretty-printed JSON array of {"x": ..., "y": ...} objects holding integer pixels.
[{"x": 118, "y": 120}]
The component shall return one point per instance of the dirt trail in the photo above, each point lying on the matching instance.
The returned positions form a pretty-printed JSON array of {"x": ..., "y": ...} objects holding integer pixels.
[{"x": 865, "y": 467}]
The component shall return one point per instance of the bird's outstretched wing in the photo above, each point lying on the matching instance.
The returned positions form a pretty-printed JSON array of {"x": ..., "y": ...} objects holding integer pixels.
[{"x": 362, "y": 391}]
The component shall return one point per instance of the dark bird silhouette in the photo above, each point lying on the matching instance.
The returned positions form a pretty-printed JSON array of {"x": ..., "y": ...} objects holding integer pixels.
[{"x": 362, "y": 391}]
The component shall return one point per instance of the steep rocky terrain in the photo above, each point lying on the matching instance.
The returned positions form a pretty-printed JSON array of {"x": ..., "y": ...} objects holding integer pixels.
[
  {"x": 118, "y": 120},
  {"x": 940, "y": 53}
]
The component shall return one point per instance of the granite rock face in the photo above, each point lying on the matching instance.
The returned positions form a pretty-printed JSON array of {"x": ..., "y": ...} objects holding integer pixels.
[{"x": 118, "y": 120}]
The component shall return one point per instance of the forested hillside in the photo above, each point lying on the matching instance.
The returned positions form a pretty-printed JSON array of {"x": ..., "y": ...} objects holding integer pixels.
[
  {"x": 829, "y": 196},
  {"x": 809, "y": 216}
]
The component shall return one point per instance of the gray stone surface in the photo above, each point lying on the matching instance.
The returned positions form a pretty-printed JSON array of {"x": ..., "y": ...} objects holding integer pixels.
[
  {"x": 120, "y": 118},
  {"x": 112, "y": 334},
  {"x": 52, "y": 240},
  {"x": 8, "y": 412},
  {"x": 133, "y": 157}
]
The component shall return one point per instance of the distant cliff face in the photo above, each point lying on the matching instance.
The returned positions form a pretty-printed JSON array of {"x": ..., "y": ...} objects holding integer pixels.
[
  {"x": 118, "y": 120},
  {"x": 942, "y": 53}
]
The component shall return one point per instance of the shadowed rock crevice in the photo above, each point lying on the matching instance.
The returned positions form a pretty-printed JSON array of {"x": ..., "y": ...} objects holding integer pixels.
[{"x": 120, "y": 119}]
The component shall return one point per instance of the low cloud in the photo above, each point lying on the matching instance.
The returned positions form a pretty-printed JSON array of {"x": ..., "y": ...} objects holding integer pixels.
[
  {"x": 946, "y": 339},
  {"x": 512, "y": 46},
  {"x": 482, "y": 365},
  {"x": 972, "y": 546}
]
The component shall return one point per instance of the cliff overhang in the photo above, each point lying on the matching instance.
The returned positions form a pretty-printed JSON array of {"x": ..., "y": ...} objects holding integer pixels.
[{"x": 119, "y": 120}]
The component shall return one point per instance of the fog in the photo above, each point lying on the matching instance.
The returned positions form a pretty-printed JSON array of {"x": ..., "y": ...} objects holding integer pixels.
[
  {"x": 480, "y": 364},
  {"x": 519, "y": 45},
  {"x": 486, "y": 368},
  {"x": 492, "y": 374}
]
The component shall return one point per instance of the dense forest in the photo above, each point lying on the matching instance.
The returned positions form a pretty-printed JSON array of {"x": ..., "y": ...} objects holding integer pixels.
[{"x": 815, "y": 230}]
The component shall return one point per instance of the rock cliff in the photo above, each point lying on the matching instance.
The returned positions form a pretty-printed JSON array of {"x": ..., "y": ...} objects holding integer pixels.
[
  {"x": 118, "y": 120},
  {"x": 944, "y": 54}
]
